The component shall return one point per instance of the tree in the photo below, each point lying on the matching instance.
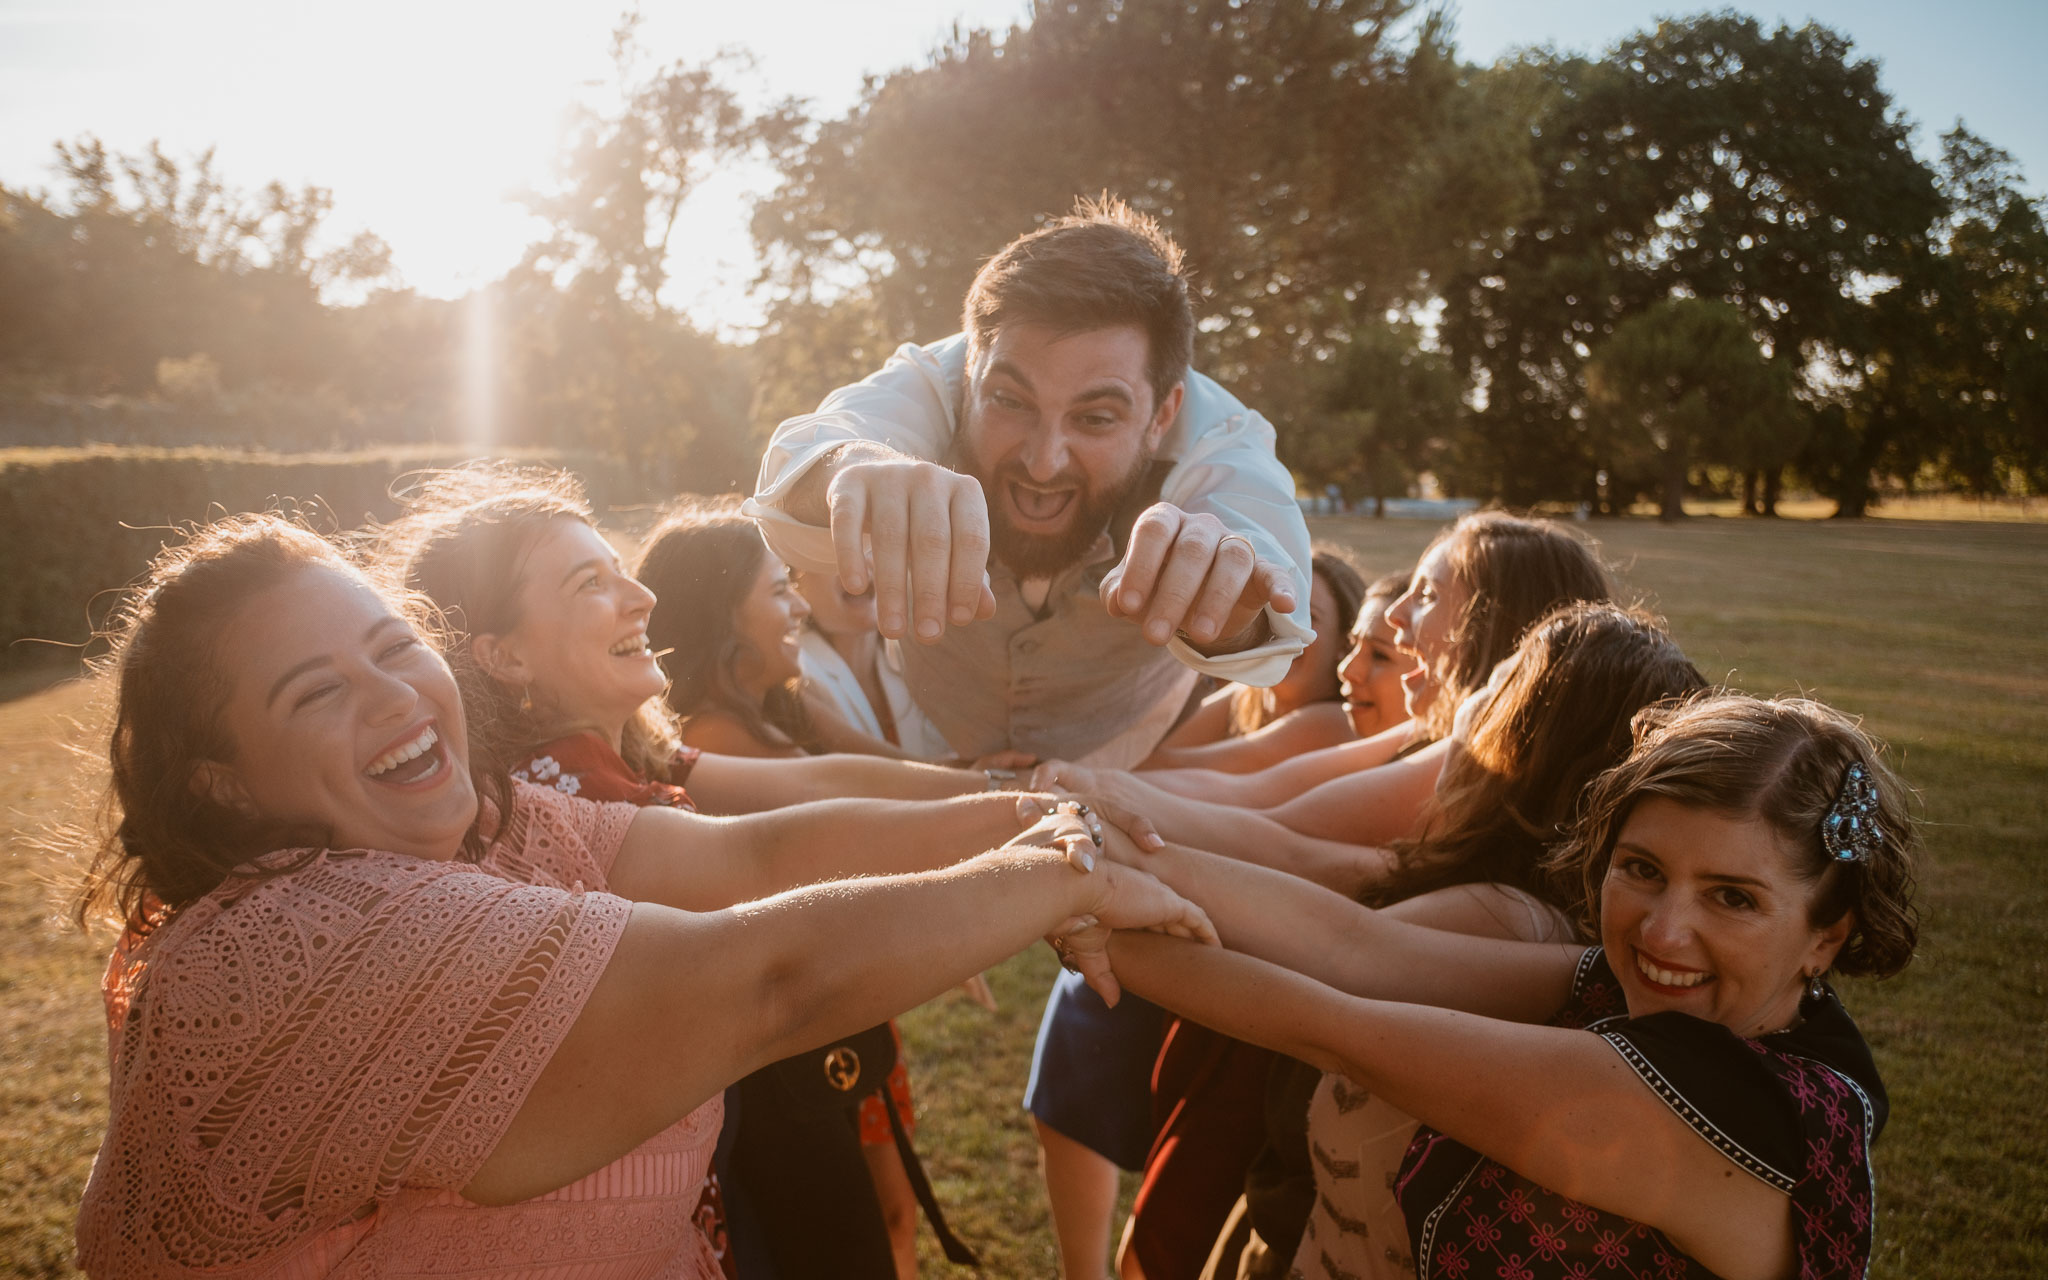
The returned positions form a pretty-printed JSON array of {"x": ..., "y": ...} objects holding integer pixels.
[
  {"x": 1386, "y": 406},
  {"x": 598, "y": 357},
  {"x": 1958, "y": 387},
  {"x": 149, "y": 257},
  {"x": 1316, "y": 160},
  {"x": 1686, "y": 383},
  {"x": 1706, "y": 158}
]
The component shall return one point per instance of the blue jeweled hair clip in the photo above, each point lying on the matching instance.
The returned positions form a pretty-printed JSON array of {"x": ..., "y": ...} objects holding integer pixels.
[{"x": 1850, "y": 832}]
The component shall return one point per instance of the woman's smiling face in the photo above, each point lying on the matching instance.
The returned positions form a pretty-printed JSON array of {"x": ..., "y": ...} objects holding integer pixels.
[
  {"x": 1371, "y": 672},
  {"x": 1425, "y": 621},
  {"x": 580, "y": 649},
  {"x": 1703, "y": 913},
  {"x": 342, "y": 719},
  {"x": 769, "y": 624}
]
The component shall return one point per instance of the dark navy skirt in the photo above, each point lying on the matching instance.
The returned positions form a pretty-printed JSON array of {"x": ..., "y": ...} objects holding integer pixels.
[{"x": 1091, "y": 1072}]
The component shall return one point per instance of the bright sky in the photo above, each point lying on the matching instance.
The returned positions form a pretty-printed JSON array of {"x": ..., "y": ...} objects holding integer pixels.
[{"x": 425, "y": 116}]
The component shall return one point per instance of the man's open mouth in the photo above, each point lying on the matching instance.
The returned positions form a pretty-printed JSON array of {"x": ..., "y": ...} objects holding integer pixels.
[{"x": 1041, "y": 506}]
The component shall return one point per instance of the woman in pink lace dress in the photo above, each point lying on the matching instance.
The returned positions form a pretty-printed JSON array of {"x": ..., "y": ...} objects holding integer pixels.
[{"x": 358, "y": 1027}]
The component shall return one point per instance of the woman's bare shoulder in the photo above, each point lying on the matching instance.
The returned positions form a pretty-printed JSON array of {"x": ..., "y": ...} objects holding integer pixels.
[{"x": 723, "y": 733}]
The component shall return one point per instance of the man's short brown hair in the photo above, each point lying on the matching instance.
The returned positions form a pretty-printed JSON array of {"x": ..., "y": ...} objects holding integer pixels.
[{"x": 1102, "y": 266}]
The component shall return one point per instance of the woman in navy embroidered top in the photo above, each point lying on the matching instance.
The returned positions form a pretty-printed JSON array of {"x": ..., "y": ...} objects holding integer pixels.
[{"x": 1717, "y": 1120}]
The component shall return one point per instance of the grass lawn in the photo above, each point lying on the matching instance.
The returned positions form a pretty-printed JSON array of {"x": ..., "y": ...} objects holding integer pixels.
[{"x": 1937, "y": 633}]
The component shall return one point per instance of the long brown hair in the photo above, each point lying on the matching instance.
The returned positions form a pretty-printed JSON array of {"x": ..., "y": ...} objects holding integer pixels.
[
  {"x": 701, "y": 562},
  {"x": 162, "y": 842},
  {"x": 463, "y": 542},
  {"x": 1251, "y": 708},
  {"x": 1514, "y": 571},
  {"x": 1561, "y": 717},
  {"x": 1782, "y": 760}
]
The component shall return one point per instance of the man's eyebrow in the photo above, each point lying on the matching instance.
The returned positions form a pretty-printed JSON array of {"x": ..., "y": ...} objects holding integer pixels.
[
  {"x": 1116, "y": 391},
  {"x": 1010, "y": 370},
  {"x": 326, "y": 660}
]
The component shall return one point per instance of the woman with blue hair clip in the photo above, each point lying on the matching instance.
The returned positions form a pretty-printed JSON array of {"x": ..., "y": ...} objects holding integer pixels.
[{"x": 1718, "y": 1117}]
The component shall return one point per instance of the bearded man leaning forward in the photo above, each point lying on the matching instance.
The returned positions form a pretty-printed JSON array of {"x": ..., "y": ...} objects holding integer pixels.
[
  {"x": 1135, "y": 509},
  {"x": 1142, "y": 532}
]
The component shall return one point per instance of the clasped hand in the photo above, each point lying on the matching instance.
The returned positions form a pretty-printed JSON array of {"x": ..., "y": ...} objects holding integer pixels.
[
  {"x": 1120, "y": 898},
  {"x": 918, "y": 533}
]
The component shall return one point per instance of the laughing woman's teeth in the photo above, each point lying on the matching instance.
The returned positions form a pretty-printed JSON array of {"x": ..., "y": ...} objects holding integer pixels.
[
  {"x": 1666, "y": 978},
  {"x": 399, "y": 755},
  {"x": 630, "y": 648}
]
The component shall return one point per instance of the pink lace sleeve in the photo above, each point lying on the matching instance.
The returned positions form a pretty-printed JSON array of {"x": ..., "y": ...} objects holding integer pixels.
[
  {"x": 558, "y": 839},
  {"x": 289, "y": 1057}
]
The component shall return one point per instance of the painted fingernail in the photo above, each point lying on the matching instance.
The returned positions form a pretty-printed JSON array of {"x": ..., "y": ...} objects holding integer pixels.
[
  {"x": 1155, "y": 841},
  {"x": 928, "y": 629}
]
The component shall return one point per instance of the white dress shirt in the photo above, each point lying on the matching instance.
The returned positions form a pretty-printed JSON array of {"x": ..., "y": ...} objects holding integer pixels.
[{"x": 1217, "y": 458}]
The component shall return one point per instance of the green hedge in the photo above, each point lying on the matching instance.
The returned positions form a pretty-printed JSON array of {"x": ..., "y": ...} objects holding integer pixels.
[{"x": 78, "y": 524}]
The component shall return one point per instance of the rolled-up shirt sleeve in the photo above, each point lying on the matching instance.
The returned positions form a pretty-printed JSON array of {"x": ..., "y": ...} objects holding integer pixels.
[
  {"x": 907, "y": 405},
  {"x": 1223, "y": 465}
]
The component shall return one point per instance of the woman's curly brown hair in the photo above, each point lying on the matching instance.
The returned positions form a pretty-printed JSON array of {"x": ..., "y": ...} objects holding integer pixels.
[
  {"x": 1782, "y": 760},
  {"x": 163, "y": 842}
]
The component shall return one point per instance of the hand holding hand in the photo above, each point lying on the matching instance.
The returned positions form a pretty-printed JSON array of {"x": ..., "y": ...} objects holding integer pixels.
[
  {"x": 1111, "y": 792},
  {"x": 1187, "y": 573},
  {"x": 1127, "y": 899},
  {"x": 1066, "y": 825}
]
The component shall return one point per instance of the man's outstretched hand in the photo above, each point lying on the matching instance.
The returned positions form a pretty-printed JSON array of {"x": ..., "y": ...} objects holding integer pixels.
[
  {"x": 914, "y": 530},
  {"x": 1188, "y": 573}
]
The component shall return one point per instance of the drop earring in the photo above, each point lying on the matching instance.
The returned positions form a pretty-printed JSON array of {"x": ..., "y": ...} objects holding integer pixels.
[
  {"x": 526, "y": 699},
  {"x": 1815, "y": 988}
]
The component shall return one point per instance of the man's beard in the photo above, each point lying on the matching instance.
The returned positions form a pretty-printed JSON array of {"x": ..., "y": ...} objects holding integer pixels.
[{"x": 1046, "y": 555}]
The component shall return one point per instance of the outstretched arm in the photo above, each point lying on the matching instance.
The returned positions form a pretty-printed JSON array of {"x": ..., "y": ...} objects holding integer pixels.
[
  {"x": 1305, "y": 729},
  {"x": 1560, "y": 1107},
  {"x": 739, "y": 784},
  {"x": 1285, "y": 781},
  {"x": 689, "y": 1003},
  {"x": 1237, "y": 833},
  {"x": 1374, "y": 807},
  {"x": 697, "y": 863},
  {"x": 1344, "y": 850},
  {"x": 1330, "y": 936}
]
